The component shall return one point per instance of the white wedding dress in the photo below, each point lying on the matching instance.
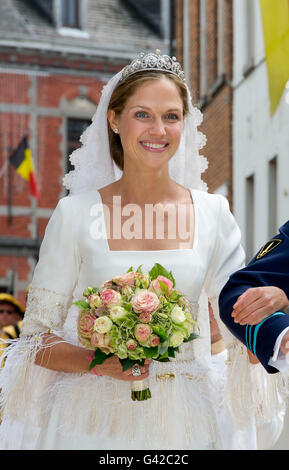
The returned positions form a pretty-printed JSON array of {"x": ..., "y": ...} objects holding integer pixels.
[{"x": 192, "y": 395}]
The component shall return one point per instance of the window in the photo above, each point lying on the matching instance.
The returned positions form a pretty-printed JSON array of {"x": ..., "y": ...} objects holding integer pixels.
[
  {"x": 212, "y": 44},
  {"x": 70, "y": 14},
  {"x": 220, "y": 37},
  {"x": 203, "y": 49},
  {"x": 186, "y": 40},
  {"x": 287, "y": 93},
  {"x": 75, "y": 128},
  {"x": 5, "y": 289},
  {"x": 272, "y": 197},
  {"x": 249, "y": 35},
  {"x": 250, "y": 216}
]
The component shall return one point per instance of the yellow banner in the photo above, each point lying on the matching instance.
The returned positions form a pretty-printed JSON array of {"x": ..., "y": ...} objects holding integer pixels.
[{"x": 275, "y": 17}]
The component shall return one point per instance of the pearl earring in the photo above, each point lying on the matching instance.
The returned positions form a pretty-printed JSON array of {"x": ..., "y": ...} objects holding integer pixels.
[{"x": 115, "y": 130}]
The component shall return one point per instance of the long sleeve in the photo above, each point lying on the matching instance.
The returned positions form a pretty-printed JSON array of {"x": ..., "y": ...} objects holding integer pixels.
[
  {"x": 22, "y": 383},
  {"x": 228, "y": 254},
  {"x": 55, "y": 274}
]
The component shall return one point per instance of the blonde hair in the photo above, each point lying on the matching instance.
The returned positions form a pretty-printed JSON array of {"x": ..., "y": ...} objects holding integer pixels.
[{"x": 124, "y": 90}]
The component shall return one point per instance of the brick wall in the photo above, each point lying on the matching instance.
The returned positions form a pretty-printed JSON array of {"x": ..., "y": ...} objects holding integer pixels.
[
  {"x": 216, "y": 105},
  {"x": 35, "y": 103}
]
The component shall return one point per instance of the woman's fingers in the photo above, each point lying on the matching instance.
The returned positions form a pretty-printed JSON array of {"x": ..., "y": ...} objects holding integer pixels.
[
  {"x": 257, "y": 317},
  {"x": 245, "y": 300},
  {"x": 253, "y": 359},
  {"x": 112, "y": 367},
  {"x": 144, "y": 373},
  {"x": 127, "y": 376},
  {"x": 143, "y": 376},
  {"x": 148, "y": 361},
  {"x": 253, "y": 312},
  {"x": 258, "y": 303},
  {"x": 144, "y": 369}
]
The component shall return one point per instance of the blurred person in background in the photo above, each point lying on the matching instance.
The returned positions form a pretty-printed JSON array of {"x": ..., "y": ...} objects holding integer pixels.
[
  {"x": 11, "y": 317},
  {"x": 11, "y": 314}
]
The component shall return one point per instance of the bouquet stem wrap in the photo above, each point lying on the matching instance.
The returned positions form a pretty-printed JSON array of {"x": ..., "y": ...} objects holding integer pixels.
[{"x": 140, "y": 390}]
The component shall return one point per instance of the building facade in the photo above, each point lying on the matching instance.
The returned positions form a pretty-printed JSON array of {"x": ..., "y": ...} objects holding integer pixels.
[
  {"x": 55, "y": 57},
  {"x": 260, "y": 144},
  {"x": 260, "y": 141},
  {"x": 203, "y": 41}
]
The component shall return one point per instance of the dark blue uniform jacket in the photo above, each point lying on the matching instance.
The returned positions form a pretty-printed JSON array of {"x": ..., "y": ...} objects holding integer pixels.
[{"x": 270, "y": 267}]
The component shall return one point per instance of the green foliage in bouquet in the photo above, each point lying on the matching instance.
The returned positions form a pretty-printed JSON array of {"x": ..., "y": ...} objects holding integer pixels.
[{"x": 136, "y": 316}]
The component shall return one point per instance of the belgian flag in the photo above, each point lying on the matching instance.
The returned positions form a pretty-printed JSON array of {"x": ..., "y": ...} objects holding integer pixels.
[{"x": 22, "y": 160}]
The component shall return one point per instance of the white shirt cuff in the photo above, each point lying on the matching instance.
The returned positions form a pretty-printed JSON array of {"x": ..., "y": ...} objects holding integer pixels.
[{"x": 279, "y": 360}]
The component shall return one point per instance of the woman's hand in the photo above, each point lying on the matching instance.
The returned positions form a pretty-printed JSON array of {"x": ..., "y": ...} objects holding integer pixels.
[
  {"x": 258, "y": 303},
  {"x": 214, "y": 328},
  {"x": 252, "y": 358},
  {"x": 284, "y": 346},
  {"x": 56, "y": 354},
  {"x": 112, "y": 367}
]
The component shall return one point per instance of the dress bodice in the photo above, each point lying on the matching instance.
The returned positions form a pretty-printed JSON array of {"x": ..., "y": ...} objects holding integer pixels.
[
  {"x": 99, "y": 263},
  {"x": 96, "y": 263},
  {"x": 75, "y": 254}
]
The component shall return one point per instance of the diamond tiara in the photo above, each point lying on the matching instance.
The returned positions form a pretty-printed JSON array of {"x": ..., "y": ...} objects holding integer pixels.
[{"x": 154, "y": 61}]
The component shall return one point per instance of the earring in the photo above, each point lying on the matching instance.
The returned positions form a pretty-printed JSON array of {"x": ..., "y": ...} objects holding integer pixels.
[{"x": 115, "y": 130}]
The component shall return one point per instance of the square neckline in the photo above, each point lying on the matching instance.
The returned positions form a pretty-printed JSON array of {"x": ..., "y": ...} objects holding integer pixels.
[{"x": 175, "y": 250}]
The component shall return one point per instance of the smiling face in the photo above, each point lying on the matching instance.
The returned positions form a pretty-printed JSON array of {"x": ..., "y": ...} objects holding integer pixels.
[{"x": 150, "y": 124}]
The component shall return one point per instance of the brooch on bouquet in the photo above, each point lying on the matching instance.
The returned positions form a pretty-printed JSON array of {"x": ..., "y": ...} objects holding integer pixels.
[{"x": 135, "y": 317}]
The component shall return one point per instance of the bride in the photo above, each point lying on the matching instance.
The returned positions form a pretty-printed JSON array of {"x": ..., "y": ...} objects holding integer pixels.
[{"x": 140, "y": 152}]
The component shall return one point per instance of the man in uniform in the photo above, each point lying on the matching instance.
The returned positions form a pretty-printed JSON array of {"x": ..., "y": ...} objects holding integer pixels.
[{"x": 254, "y": 304}]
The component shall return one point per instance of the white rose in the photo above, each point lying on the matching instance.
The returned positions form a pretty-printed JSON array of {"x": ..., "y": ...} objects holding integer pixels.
[
  {"x": 178, "y": 315},
  {"x": 117, "y": 313},
  {"x": 176, "y": 339},
  {"x": 103, "y": 325}
]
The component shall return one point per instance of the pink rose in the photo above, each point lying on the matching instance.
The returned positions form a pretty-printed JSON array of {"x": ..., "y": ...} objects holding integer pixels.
[
  {"x": 145, "y": 301},
  {"x": 101, "y": 341},
  {"x": 125, "y": 280},
  {"x": 109, "y": 285},
  {"x": 156, "y": 285},
  {"x": 145, "y": 317},
  {"x": 154, "y": 340},
  {"x": 110, "y": 297},
  {"x": 85, "y": 324},
  {"x": 106, "y": 285},
  {"x": 142, "y": 332},
  {"x": 131, "y": 345},
  {"x": 94, "y": 300}
]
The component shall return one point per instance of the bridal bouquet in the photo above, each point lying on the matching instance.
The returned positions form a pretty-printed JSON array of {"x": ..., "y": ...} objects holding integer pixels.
[{"x": 135, "y": 316}]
